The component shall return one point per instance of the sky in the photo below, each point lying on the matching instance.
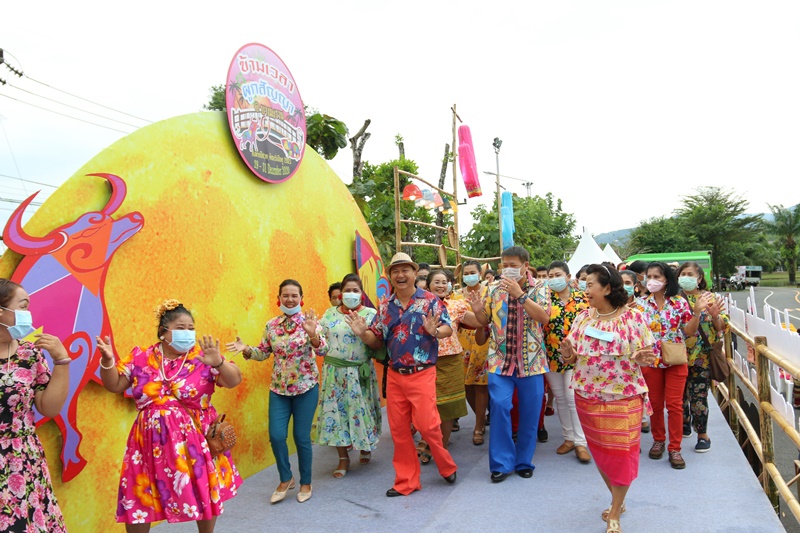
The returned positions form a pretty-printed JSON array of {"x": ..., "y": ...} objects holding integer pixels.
[{"x": 619, "y": 108}]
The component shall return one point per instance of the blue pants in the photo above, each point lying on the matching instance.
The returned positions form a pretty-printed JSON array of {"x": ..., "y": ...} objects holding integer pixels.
[
  {"x": 302, "y": 407},
  {"x": 504, "y": 455}
]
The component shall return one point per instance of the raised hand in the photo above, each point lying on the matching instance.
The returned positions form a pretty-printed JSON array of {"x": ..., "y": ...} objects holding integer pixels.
[
  {"x": 512, "y": 286},
  {"x": 310, "y": 323},
  {"x": 104, "y": 345},
  {"x": 475, "y": 301},
  {"x": 714, "y": 306},
  {"x": 236, "y": 346},
  {"x": 702, "y": 303},
  {"x": 568, "y": 353},
  {"x": 356, "y": 322},
  {"x": 432, "y": 323},
  {"x": 210, "y": 354},
  {"x": 645, "y": 356},
  {"x": 52, "y": 344}
]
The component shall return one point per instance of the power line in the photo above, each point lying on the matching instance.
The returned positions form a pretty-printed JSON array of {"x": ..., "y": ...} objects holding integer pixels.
[
  {"x": 87, "y": 100},
  {"x": 65, "y": 115},
  {"x": 72, "y": 106},
  {"x": 13, "y": 201},
  {"x": 29, "y": 181}
]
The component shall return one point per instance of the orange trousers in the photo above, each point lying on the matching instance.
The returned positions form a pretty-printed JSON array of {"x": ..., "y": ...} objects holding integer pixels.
[{"x": 412, "y": 398}]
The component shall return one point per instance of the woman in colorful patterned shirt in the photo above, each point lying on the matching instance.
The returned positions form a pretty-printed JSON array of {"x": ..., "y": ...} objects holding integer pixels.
[
  {"x": 293, "y": 338},
  {"x": 168, "y": 472},
  {"x": 713, "y": 323},
  {"x": 565, "y": 304},
  {"x": 350, "y": 401},
  {"x": 29, "y": 501},
  {"x": 607, "y": 343},
  {"x": 671, "y": 320}
]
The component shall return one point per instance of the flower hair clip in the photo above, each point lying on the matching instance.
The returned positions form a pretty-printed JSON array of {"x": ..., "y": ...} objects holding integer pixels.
[{"x": 167, "y": 305}]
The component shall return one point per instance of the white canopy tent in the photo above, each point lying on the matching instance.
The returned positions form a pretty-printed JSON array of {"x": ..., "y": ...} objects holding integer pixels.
[
  {"x": 588, "y": 252},
  {"x": 612, "y": 255}
]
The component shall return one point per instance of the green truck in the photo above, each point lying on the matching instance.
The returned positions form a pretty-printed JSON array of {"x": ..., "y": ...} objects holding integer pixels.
[{"x": 703, "y": 258}]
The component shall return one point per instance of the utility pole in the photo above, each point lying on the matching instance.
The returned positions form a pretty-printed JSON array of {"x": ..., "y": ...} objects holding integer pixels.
[{"x": 497, "y": 143}]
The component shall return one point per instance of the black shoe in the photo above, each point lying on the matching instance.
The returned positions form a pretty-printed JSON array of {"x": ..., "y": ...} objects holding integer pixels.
[
  {"x": 392, "y": 493},
  {"x": 525, "y": 472},
  {"x": 687, "y": 428},
  {"x": 487, "y": 418},
  {"x": 541, "y": 435},
  {"x": 498, "y": 477},
  {"x": 451, "y": 478}
]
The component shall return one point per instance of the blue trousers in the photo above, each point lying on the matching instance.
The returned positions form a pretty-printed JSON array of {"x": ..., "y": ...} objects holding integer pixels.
[
  {"x": 302, "y": 407},
  {"x": 504, "y": 455}
]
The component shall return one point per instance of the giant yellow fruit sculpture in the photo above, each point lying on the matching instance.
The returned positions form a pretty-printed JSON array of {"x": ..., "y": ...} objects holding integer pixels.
[{"x": 215, "y": 237}]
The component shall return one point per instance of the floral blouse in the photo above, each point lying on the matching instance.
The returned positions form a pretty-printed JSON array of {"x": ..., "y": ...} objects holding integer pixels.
[
  {"x": 695, "y": 346},
  {"x": 561, "y": 317},
  {"x": 667, "y": 323},
  {"x": 342, "y": 342},
  {"x": 28, "y": 375},
  {"x": 456, "y": 309},
  {"x": 295, "y": 369},
  {"x": 605, "y": 369}
]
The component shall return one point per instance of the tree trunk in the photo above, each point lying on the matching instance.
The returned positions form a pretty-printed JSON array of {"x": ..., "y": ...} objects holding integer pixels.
[
  {"x": 442, "y": 175},
  {"x": 357, "y": 142},
  {"x": 401, "y": 147}
]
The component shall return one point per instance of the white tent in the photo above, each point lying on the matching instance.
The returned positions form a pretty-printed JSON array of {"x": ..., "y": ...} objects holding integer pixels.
[
  {"x": 588, "y": 252},
  {"x": 612, "y": 255}
]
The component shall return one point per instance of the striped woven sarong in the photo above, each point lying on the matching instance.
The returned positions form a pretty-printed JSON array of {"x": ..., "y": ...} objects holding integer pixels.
[
  {"x": 451, "y": 399},
  {"x": 613, "y": 432}
]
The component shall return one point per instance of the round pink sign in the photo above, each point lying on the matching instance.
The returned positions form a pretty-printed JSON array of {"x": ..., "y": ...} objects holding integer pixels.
[{"x": 265, "y": 113}]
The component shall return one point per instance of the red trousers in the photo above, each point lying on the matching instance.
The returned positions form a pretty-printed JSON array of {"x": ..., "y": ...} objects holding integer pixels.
[
  {"x": 666, "y": 388},
  {"x": 412, "y": 398}
]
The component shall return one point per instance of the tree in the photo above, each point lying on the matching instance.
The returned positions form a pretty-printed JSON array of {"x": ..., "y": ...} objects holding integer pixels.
[
  {"x": 324, "y": 133},
  {"x": 543, "y": 229},
  {"x": 718, "y": 219},
  {"x": 786, "y": 227},
  {"x": 661, "y": 234}
]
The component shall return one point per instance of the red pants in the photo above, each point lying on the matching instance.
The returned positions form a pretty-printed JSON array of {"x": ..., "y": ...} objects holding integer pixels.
[
  {"x": 666, "y": 388},
  {"x": 412, "y": 398}
]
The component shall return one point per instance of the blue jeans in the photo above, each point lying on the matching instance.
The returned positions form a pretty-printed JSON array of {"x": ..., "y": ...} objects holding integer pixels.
[
  {"x": 504, "y": 455},
  {"x": 302, "y": 407}
]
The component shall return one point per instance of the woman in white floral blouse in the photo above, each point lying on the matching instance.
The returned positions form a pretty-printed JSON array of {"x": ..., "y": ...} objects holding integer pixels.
[{"x": 293, "y": 338}]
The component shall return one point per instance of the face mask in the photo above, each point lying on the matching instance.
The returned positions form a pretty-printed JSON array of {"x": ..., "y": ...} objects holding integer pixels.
[
  {"x": 687, "y": 283},
  {"x": 23, "y": 324},
  {"x": 512, "y": 273},
  {"x": 471, "y": 279},
  {"x": 557, "y": 284},
  {"x": 643, "y": 282},
  {"x": 582, "y": 285},
  {"x": 629, "y": 289},
  {"x": 351, "y": 299},
  {"x": 290, "y": 310},
  {"x": 654, "y": 285},
  {"x": 183, "y": 340},
  {"x": 449, "y": 287}
]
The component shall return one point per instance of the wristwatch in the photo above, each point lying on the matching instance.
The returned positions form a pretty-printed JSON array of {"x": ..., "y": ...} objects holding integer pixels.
[{"x": 522, "y": 298}]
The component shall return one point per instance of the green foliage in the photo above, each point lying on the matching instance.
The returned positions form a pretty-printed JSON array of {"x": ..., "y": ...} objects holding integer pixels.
[
  {"x": 786, "y": 227},
  {"x": 661, "y": 234},
  {"x": 543, "y": 228},
  {"x": 325, "y": 134},
  {"x": 374, "y": 194},
  {"x": 216, "y": 98}
]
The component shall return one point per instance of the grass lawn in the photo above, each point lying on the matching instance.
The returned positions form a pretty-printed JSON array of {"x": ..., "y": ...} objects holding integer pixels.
[{"x": 775, "y": 279}]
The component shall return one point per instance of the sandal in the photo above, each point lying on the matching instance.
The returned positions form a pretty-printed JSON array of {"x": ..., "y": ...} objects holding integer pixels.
[
  {"x": 604, "y": 514},
  {"x": 613, "y": 527},
  {"x": 477, "y": 438},
  {"x": 456, "y": 426},
  {"x": 365, "y": 457},
  {"x": 339, "y": 473}
]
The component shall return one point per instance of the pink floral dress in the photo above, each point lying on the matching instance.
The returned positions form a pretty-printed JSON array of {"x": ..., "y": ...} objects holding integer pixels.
[
  {"x": 168, "y": 472},
  {"x": 27, "y": 502}
]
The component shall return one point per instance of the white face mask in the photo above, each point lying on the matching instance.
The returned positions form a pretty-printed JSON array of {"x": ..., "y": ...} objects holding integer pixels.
[
  {"x": 351, "y": 300},
  {"x": 512, "y": 273}
]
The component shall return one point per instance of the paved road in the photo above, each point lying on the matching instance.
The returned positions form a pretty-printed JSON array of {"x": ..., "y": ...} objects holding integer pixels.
[{"x": 785, "y": 451}]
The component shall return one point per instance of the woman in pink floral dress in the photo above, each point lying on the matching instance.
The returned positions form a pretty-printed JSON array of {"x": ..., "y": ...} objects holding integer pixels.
[
  {"x": 168, "y": 472},
  {"x": 27, "y": 502},
  {"x": 607, "y": 343}
]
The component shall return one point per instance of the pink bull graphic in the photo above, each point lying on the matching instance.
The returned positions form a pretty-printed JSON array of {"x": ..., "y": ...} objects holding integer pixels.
[{"x": 65, "y": 273}]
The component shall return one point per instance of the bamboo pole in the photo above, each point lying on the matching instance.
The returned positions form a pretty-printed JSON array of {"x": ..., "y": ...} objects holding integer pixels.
[
  {"x": 787, "y": 428},
  {"x": 783, "y": 488},
  {"x": 422, "y": 224},
  {"x": 397, "y": 233},
  {"x": 455, "y": 188},
  {"x": 745, "y": 381},
  {"x": 772, "y": 355},
  {"x": 733, "y": 420},
  {"x": 764, "y": 397},
  {"x": 427, "y": 244},
  {"x": 414, "y": 176},
  {"x": 481, "y": 258}
]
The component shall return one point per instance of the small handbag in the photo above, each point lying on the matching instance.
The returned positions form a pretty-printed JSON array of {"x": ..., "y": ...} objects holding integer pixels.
[
  {"x": 221, "y": 436},
  {"x": 673, "y": 353}
]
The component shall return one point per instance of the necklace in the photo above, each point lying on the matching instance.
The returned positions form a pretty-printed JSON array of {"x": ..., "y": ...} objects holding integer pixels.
[
  {"x": 606, "y": 314},
  {"x": 163, "y": 372}
]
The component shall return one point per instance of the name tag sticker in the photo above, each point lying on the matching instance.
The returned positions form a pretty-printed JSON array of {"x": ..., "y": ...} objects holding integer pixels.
[{"x": 607, "y": 336}]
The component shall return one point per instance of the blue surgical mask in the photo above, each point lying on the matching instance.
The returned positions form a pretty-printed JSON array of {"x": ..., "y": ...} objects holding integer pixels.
[
  {"x": 449, "y": 287},
  {"x": 629, "y": 289},
  {"x": 351, "y": 300},
  {"x": 557, "y": 284},
  {"x": 471, "y": 279},
  {"x": 183, "y": 340},
  {"x": 582, "y": 284},
  {"x": 687, "y": 283},
  {"x": 291, "y": 310},
  {"x": 23, "y": 324}
]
